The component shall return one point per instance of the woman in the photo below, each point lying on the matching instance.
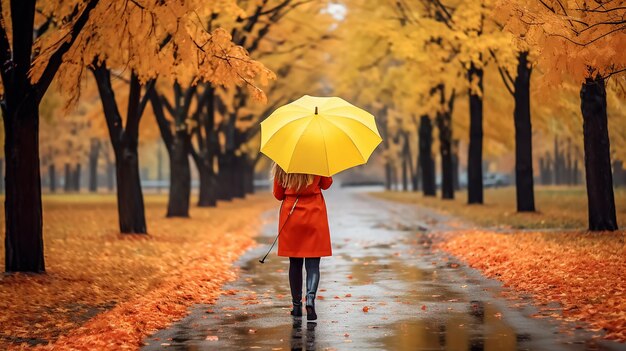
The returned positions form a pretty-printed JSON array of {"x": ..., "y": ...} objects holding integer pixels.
[{"x": 304, "y": 235}]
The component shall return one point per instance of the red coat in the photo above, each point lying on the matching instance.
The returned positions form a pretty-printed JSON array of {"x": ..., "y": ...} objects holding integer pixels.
[{"x": 306, "y": 233}]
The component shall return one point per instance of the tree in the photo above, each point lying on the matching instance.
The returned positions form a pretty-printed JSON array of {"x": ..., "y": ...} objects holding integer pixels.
[
  {"x": 427, "y": 163},
  {"x": 124, "y": 139},
  {"x": 518, "y": 85},
  {"x": 177, "y": 140},
  {"x": 173, "y": 47},
  {"x": 581, "y": 41},
  {"x": 23, "y": 56},
  {"x": 266, "y": 32}
]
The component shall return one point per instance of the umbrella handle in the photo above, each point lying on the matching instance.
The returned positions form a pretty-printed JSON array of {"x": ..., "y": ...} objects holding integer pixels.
[{"x": 281, "y": 228}]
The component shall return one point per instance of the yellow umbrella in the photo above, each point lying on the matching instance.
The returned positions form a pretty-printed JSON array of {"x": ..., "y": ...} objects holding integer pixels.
[{"x": 319, "y": 135}]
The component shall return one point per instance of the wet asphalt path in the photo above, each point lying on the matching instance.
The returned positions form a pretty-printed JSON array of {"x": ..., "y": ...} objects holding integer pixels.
[{"x": 383, "y": 289}]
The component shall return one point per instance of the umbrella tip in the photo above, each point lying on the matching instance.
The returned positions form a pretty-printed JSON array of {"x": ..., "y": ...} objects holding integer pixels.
[{"x": 315, "y": 109}]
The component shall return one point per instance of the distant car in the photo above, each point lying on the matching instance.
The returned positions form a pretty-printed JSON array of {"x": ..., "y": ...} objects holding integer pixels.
[{"x": 495, "y": 180}]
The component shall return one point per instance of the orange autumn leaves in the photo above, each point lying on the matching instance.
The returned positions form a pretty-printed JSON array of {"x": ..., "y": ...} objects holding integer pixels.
[
  {"x": 584, "y": 272},
  {"x": 133, "y": 285}
]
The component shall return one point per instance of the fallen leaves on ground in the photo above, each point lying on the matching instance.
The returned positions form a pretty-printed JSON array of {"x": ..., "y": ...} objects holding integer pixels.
[
  {"x": 104, "y": 290},
  {"x": 583, "y": 272}
]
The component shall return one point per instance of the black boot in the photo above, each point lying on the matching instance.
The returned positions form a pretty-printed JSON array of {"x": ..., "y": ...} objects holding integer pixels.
[
  {"x": 295, "y": 284},
  {"x": 312, "y": 281}
]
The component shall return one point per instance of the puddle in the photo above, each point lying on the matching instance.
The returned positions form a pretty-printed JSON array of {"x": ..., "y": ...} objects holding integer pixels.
[{"x": 455, "y": 331}]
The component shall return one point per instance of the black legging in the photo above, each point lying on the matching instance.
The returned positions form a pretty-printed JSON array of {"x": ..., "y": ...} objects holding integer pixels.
[{"x": 312, "y": 265}]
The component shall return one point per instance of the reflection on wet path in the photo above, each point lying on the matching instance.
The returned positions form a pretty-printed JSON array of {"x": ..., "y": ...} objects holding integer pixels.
[{"x": 384, "y": 289}]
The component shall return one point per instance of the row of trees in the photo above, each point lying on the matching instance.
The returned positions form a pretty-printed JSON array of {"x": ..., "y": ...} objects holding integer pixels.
[
  {"x": 423, "y": 60},
  {"x": 192, "y": 64}
]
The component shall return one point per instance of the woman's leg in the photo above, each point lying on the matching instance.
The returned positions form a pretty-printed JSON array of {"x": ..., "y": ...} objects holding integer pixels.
[
  {"x": 312, "y": 265},
  {"x": 295, "y": 282}
]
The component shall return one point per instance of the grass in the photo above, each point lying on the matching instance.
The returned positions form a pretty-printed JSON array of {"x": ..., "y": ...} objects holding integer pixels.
[
  {"x": 557, "y": 207},
  {"x": 131, "y": 283}
]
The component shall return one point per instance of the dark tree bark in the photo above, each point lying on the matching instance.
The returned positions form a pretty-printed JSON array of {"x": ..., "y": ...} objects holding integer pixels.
[
  {"x": 208, "y": 185},
  {"x": 23, "y": 240},
  {"x": 385, "y": 136},
  {"x": 208, "y": 180},
  {"x": 568, "y": 164},
  {"x": 76, "y": 178},
  {"x": 67, "y": 185},
  {"x": 427, "y": 163},
  {"x": 125, "y": 141},
  {"x": 408, "y": 172},
  {"x": 94, "y": 153},
  {"x": 248, "y": 175},
  {"x": 405, "y": 169},
  {"x": 180, "y": 176},
  {"x": 601, "y": 202},
  {"x": 20, "y": 111},
  {"x": 418, "y": 161},
  {"x": 444, "y": 124},
  {"x": 225, "y": 176},
  {"x": 207, "y": 148},
  {"x": 2, "y": 175},
  {"x": 524, "y": 183},
  {"x": 550, "y": 169},
  {"x": 178, "y": 144},
  {"x": 455, "y": 164},
  {"x": 558, "y": 169},
  {"x": 238, "y": 179},
  {"x": 52, "y": 178},
  {"x": 475, "y": 155}
]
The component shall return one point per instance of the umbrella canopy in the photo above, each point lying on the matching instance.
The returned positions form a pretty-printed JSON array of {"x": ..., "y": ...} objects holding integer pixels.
[{"x": 319, "y": 135}]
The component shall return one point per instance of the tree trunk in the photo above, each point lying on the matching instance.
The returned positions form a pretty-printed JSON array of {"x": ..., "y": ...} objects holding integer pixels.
[
  {"x": 180, "y": 176},
  {"x": 444, "y": 124},
  {"x": 418, "y": 161},
  {"x": 524, "y": 184},
  {"x": 208, "y": 147},
  {"x": 388, "y": 171},
  {"x": 2, "y": 175},
  {"x": 93, "y": 166},
  {"x": 601, "y": 202},
  {"x": 53, "y": 178},
  {"x": 426, "y": 157},
  {"x": 125, "y": 141},
  {"x": 129, "y": 196},
  {"x": 76, "y": 178},
  {"x": 67, "y": 186},
  {"x": 248, "y": 176},
  {"x": 455, "y": 164},
  {"x": 238, "y": 179},
  {"x": 557, "y": 162},
  {"x": 208, "y": 184},
  {"x": 405, "y": 170},
  {"x": 23, "y": 210},
  {"x": 225, "y": 176},
  {"x": 20, "y": 111},
  {"x": 549, "y": 169},
  {"x": 475, "y": 156}
]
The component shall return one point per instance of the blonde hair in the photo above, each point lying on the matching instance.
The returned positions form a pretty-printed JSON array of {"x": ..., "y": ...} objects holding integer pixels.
[{"x": 295, "y": 181}]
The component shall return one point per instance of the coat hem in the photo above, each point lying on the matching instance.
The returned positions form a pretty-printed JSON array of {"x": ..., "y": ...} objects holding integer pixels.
[{"x": 309, "y": 254}]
